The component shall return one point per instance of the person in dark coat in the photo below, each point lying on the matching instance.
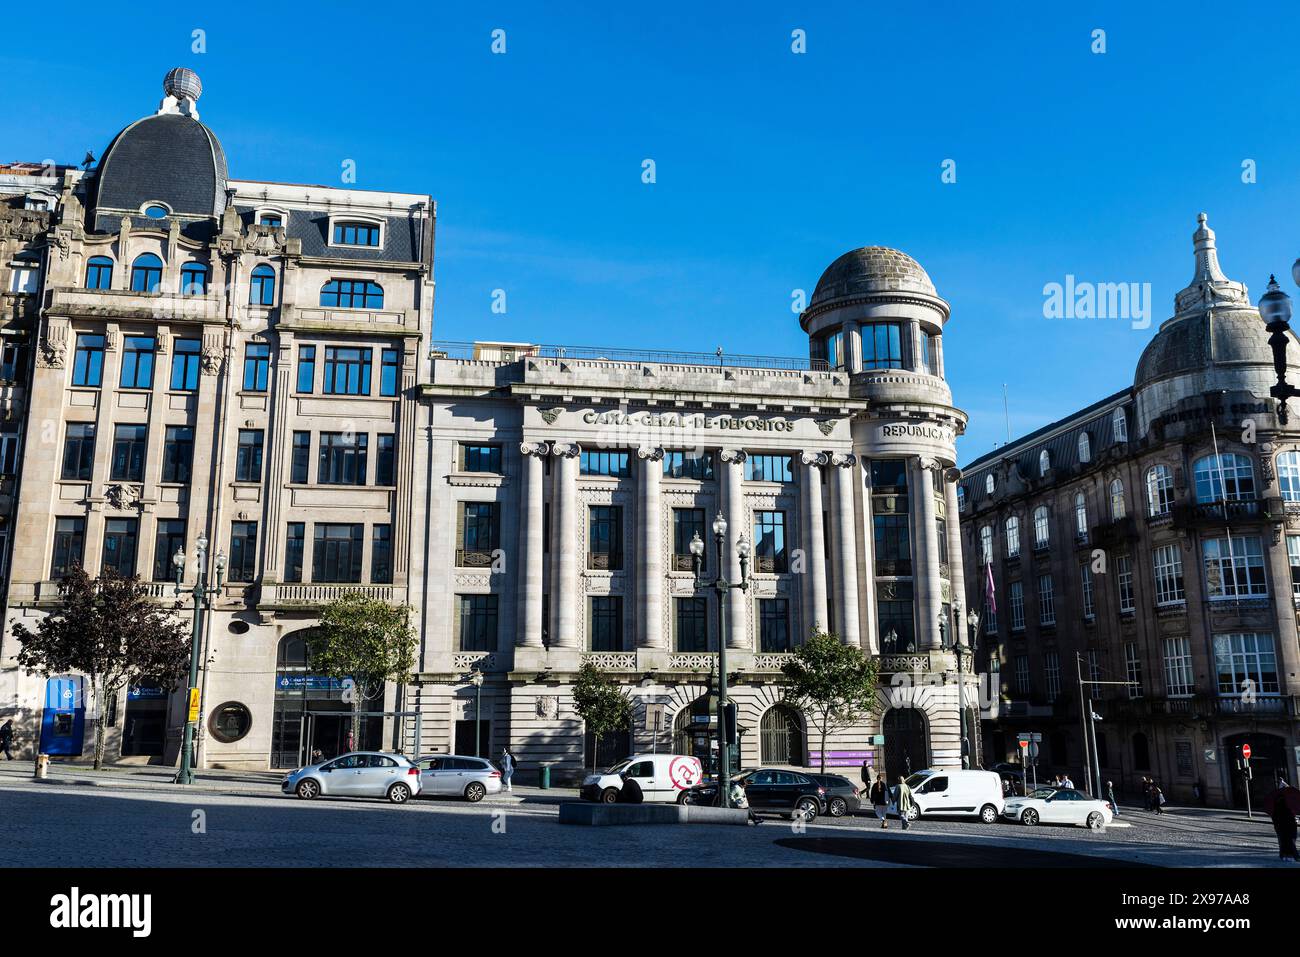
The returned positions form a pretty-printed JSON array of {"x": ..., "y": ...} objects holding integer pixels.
[
  {"x": 866, "y": 777},
  {"x": 880, "y": 800},
  {"x": 7, "y": 738},
  {"x": 1285, "y": 800},
  {"x": 1146, "y": 793},
  {"x": 1157, "y": 798},
  {"x": 1110, "y": 796}
]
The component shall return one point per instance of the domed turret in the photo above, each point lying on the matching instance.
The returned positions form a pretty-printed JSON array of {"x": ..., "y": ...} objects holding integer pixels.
[{"x": 871, "y": 269}]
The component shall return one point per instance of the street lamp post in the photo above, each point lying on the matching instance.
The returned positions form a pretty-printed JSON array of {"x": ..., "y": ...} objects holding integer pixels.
[
  {"x": 723, "y": 588},
  {"x": 476, "y": 679},
  {"x": 1275, "y": 310},
  {"x": 202, "y": 596},
  {"x": 967, "y": 751}
]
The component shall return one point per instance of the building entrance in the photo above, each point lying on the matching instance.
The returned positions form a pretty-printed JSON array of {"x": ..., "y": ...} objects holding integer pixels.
[{"x": 907, "y": 749}]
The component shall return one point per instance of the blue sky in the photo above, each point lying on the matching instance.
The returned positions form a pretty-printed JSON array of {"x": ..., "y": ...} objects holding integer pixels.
[{"x": 769, "y": 164}]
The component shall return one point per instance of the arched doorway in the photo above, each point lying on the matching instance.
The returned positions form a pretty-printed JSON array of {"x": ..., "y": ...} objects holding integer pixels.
[
  {"x": 1267, "y": 760},
  {"x": 781, "y": 737},
  {"x": 907, "y": 744},
  {"x": 313, "y": 705}
]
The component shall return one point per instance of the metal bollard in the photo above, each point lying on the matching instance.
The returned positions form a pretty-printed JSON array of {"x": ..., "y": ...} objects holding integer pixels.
[{"x": 42, "y": 766}]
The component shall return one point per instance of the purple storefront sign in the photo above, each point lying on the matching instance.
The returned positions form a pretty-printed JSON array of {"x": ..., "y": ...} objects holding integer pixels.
[{"x": 841, "y": 759}]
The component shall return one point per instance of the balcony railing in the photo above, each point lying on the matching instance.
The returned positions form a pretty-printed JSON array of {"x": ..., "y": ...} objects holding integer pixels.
[
  {"x": 1229, "y": 512},
  {"x": 322, "y": 593},
  {"x": 719, "y": 359},
  {"x": 473, "y": 558}
]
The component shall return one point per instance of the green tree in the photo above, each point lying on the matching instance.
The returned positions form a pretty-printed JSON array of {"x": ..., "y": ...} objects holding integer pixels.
[
  {"x": 109, "y": 630},
  {"x": 601, "y": 703},
  {"x": 366, "y": 641},
  {"x": 832, "y": 683}
]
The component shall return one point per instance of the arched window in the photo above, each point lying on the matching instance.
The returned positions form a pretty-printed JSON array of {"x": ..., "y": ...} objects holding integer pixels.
[
  {"x": 780, "y": 737},
  {"x": 990, "y": 483},
  {"x": 1288, "y": 476},
  {"x": 1160, "y": 490},
  {"x": 1044, "y": 463},
  {"x": 1227, "y": 477},
  {"x": 352, "y": 294},
  {"x": 146, "y": 273},
  {"x": 1081, "y": 516},
  {"x": 961, "y": 498},
  {"x": 1042, "y": 531},
  {"x": 986, "y": 544},
  {"x": 1085, "y": 447},
  {"x": 1119, "y": 425},
  {"x": 261, "y": 286},
  {"x": 1117, "y": 509},
  {"x": 194, "y": 279},
  {"x": 1013, "y": 536},
  {"x": 99, "y": 272}
]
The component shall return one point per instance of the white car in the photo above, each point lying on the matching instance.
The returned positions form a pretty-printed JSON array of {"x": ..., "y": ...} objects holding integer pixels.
[
  {"x": 955, "y": 791},
  {"x": 658, "y": 778},
  {"x": 1058, "y": 806}
]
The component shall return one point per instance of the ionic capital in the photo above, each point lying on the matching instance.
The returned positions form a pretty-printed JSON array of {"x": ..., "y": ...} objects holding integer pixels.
[
  {"x": 814, "y": 458},
  {"x": 651, "y": 453},
  {"x": 538, "y": 449},
  {"x": 733, "y": 456},
  {"x": 844, "y": 460},
  {"x": 568, "y": 450}
]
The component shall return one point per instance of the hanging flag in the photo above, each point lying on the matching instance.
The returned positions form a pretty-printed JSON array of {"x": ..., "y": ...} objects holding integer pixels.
[{"x": 990, "y": 599}]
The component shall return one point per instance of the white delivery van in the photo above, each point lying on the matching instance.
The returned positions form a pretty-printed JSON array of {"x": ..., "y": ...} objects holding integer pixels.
[
  {"x": 660, "y": 777},
  {"x": 957, "y": 791}
]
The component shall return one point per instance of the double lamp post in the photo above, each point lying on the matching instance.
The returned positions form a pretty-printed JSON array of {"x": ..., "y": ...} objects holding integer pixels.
[{"x": 202, "y": 596}]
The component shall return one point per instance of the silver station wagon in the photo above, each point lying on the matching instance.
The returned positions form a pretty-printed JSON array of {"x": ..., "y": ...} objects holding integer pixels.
[
  {"x": 371, "y": 774},
  {"x": 455, "y": 775}
]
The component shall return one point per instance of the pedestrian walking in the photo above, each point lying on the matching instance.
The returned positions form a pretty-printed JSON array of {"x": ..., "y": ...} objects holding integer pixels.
[
  {"x": 904, "y": 802},
  {"x": 1066, "y": 781},
  {"x": 1286, "y": 804},
  {"x": 507, "y": 767},
  {"x": 1146, "y": 793},
  {"x": 866, "y": 777},
  {"x": 7, "y": 738},
  {"x": 880, "y": 800},
  {"x": 740, "y": 799},
  {"x": 1157, "y": 798},
  {"x": 1110, "y": 796}
]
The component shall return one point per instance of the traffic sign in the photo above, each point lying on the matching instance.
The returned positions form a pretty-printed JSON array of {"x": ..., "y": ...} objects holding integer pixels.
[
  {"x": 194, "y": 704},
  {"x": 1245, "y": 751}
]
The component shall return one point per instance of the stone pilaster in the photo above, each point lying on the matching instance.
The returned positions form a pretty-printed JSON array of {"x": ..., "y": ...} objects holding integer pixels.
[
  {"x": 846, "y": 548},
  {"x": 814, "y": 541},
  {"x": 566, "y": 595},
  {"x": 650, "y": 566},
  {"x": 925, "y": 568},
  {"x": 956, "y": 564},
  {"x": 531, "y": 546},
  {"x": 734, "y": 499}
]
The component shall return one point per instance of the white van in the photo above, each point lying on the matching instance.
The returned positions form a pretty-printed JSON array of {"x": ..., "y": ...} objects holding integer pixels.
[
  {"x": 957, "y": 791},
  {"x": 660, "y": 777}
]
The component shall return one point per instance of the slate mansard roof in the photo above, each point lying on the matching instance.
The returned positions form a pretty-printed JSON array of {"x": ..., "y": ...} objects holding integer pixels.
[{"x": 168, "y": 158}]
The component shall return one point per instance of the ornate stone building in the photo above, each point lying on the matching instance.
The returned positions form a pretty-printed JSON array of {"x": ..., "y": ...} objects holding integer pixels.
[
  {"x": 225, "y": 358},
  {"x": 1151, "y": 539}
]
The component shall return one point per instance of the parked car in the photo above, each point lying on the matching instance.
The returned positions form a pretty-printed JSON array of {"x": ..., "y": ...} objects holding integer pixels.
[
  {"x": 356, "y": 774},
  {"x": 841, "y": 796},
  {"x": 644, "y": 777},
  {"x": 1058, "y": 806},
  {"x": 455, "y": 775},
  {"x": 769, "y": 789},
  {"x": 956, "y": 791}
]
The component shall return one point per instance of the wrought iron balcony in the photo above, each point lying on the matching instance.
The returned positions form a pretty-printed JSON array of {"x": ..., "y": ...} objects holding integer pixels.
[
  {"x": 1115, "y": 534},
  {"x": 1230, "y": 512}
]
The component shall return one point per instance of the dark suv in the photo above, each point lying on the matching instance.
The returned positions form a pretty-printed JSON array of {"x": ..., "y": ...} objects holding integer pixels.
[{"x": 768, "y": 790}]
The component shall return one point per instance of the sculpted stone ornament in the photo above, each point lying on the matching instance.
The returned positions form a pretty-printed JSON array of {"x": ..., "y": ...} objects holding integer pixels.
[
  {"x": 827, "y": 426},
  {"x": 814, "y": 458},
  {"x": 844, "y": 460},
  {"x": 567, "y": 450},
  {"x": 651, "y": 453},
  {"x": 52, "y": 354},
  {"x": 123, "y": 497},
  {"x": 539, "y": 449},
  {"x": 550, "y": 415},
  {"x": 733, "y": 456},
  {"x": 211, "y": 361}
]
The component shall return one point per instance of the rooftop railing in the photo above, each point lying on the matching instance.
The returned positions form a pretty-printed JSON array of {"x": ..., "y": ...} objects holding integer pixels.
[{"x": 512, "y": 352}]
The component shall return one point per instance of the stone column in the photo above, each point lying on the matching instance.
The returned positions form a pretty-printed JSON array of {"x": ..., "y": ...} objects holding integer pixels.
[
  {"x": 925, "y": 568},
  {"x": 814, "y": 541},
  {"x": 956, "y": 566},
  {"x": 871, "y": 640},
  {"x": 566, "y": 520},
  {"x": 531, "y": 547},
  {"x": 846, "y": 547},
  {"x": 650, "y": 563},
  {"x": 734, "y": 459}
]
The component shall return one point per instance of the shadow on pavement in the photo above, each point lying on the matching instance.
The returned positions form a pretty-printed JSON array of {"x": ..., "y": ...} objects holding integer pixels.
[{"x": 944, "y": 854}]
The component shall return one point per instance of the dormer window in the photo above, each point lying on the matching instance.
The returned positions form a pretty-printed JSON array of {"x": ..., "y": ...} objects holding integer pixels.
[
  {"x": 1085, "y": 447},
  {"x": 348, "y": 232},
  {"x": 1119, "y": 426},
  {"x": 990, "y": 483},
  {"x": 274, "y": 220},
  {"x": 1044, "y": 463},
  {"x": 157, "y": 211}
]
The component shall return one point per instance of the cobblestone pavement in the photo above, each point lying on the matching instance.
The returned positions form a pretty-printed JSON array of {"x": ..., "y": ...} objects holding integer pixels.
[{"x": 120, "y": 824}]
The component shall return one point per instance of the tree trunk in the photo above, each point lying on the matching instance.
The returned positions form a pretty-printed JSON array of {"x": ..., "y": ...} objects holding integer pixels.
[
  {"x": 823, "y": 729},
  {"x": 99, "y": 722},
  {"x": 355, "y": 744}
]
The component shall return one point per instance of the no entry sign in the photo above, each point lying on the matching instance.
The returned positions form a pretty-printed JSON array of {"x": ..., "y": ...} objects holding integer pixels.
[{"x": 1245, "y": 751}]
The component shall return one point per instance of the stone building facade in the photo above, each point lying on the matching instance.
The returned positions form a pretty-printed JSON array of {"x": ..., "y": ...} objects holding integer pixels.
[
  {"x": 225, "y": 358},
  {"x": 1151, "y": 540}
]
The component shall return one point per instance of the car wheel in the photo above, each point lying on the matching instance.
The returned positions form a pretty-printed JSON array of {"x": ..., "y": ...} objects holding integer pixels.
[
  {"x": 806, "y": 809},
  {"x": 609, "y": 796},
  {"x": 837, "y": 808},
  {"x": 684, "y": 797},
  {"x": 475, "y": 792},
  {"x": 989, "y": 814},
  {"x": 399, "y": 794},
  {"x": 1096, "y": 820},
  {"x": 308, "y": 789},
  {"x": 913, "y": 813},
  {"x": 1029, "y": 816}
]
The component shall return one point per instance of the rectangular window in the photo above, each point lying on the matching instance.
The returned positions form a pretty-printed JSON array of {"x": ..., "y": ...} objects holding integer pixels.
[
  {"x": 186, "y": 354},
  {"x": 336, "y": 552},
  {"x": 1022, "y": 674},
  {"x": 480, "y": 533},
  {"x": 1234, "y": 567},
  {"x": 381, "y": 555},
  {"x": 69, "y": 546},
  {"x": 1168, "y": 562},
  {"x": 13, "y": 360},
  {"x": 306, "y": 369},
  {"x": 1046, "y": 601},
  {"x": 1178, "y": 668},
  {"x": 688, "y": 465},
  {"x": 1016, "y": 598},
  {"x": 79, "y": 451},
  {"x": 301, "y": 458},
  {"x": 385, "y": 460},
  {"x": 88, "y": 360},
  {"x": 293, "y": 551},
  {"x": 168, "y": 540},
  {"x": 692, "y": 616},
  {"x": 882, "y": 345},
  {"x": 248, "y": 457},
  {"x": 1293, "y": 558},
  {"x": 607, "y": 623},
  {"x": 769, "y": 468},
  {"x": 605, "y": 537},
  {"x": 1246, "y": 664},
  {"x": 990, "y": 619},
  {"x": 178, "y": 453},
  {"x": 137, "y": 362},
  {"x": 1052, "y": 674},
  {"x": 616, "y": 464},
  {"x": 1124, "y": 578},
  {"x": 1094, "y": 668},
  {"x": 478, "y": 622},
  {"x": 257, "y": 366},
  {"x": 480, "y": 458},
  {"x": 390, "y": 366},
  {"x": 342, "y": 459},
  {"x": 119, "y": 545},
  {"x": 356, "y": 234},
  {"x": 929, "y": 357},
  {"x": 770, "y": 555},
  {"x": 893, "y": 553},
  {"x": 774, "y": 625},
  {"x": 688, "y": 523},
  {"x": 1133, "y": 669},
  {"x": 8, "y": 453},
  {"x": 347, "y": 370},
  {"x": 129, "y": 442},
  {"x": 1085, "y": 583},
  {"x": 243, "y": 551},
  {"x": 894, "y": 612}
]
